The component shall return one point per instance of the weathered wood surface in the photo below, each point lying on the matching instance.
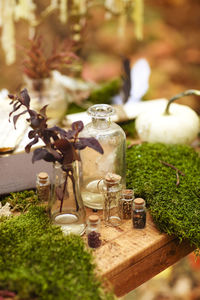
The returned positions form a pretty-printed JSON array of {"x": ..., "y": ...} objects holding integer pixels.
[{"x": 128, "y": 257}]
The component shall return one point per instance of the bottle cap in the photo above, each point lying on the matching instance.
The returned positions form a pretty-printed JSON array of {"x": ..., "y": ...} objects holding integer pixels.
[
  {"x": 127, "y": 193},
  {"x": 93, "y": 218},
  {"x": 139, "y": 201},
  {"x": 43, "y": 175},
  {"x": 112, "y": 178}
]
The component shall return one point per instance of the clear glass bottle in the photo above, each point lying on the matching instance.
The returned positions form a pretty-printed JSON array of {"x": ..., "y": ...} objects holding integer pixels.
[
  {"x": 43, "y": 187},
  {"x": 66, "y": 205},
  {"x": 95, "y": 165},
  {"x": 112, "y": 192},
  {"x": 93, "y": 231},
  {"x": 139, "y": 213},
  {"x": 126, "y": 204}
]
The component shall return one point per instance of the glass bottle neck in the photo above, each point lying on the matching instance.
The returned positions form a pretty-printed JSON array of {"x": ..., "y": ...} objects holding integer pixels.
[{"x": 101, "y": 123}]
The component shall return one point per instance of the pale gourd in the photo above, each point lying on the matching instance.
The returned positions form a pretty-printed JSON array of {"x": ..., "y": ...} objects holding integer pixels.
[{"x": 169, "y": 123}]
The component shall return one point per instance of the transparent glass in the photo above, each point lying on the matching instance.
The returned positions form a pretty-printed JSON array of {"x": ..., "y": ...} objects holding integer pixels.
[
  {"x": 139, "y": 213},
  {"x": 43, "y": 187},
  {"x": 93, "y": 231},
  {"x": 126, "y": 204},
  {"x": 112, "y": 194},
  {"x": 66, "y": 205},
  {"x": 95, "y": 165}
]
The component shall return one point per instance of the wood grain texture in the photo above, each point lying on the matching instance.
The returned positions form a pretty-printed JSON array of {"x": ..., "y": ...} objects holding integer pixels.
[{"x": 128, "y": 257}]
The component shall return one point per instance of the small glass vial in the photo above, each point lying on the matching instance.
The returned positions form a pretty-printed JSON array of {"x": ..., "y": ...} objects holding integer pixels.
[
  {"x": 43, "y": 186},
  {"x": 126, "y": 204},
  {"x": 112, "y": 189},
  {"x": 95, "y": 166},
  {"x": 93, "y": 231},
  {"x": 139, "y": 213}
]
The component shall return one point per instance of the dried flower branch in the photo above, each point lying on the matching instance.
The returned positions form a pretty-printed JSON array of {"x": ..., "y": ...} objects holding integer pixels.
[
  {"x": 60, "y": 145},
  {"x": 38, "y": 65}
]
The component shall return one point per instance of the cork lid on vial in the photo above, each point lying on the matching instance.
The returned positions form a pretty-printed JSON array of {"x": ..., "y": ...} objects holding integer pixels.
[
  {"x": 112, "y": 178},
  {"x": 139, "y": 201},
  {"x": 127, "y": 194},
  {"x": 93, "y": 218},
  {"x": 43, "y": 176}
]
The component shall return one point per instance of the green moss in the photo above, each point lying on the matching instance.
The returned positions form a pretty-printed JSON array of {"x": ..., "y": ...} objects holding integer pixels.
[
  {"x": 38, "y": 262},
  {"x": 21, "y": 201},
  {"x": 74, "y": 108},
  {"x": 129, "y": 128},
  {"x": 105, "y": 93},
  {"x": 175, "y": 209},
  {"x": 100, "y": 95}
]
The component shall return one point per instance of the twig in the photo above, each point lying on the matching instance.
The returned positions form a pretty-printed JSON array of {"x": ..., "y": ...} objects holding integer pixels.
[
  {"x": 174, "y": 168},
  {"x": 137, "y": 142},
  {"x": 177, "y": 179}
]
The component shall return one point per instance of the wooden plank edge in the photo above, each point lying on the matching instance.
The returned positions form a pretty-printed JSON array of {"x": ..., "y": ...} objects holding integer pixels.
[{"x": 135, "y": 275}]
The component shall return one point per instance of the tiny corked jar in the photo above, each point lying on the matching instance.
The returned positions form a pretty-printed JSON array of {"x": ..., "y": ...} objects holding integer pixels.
[
  {"x": 93, "y": 231},
  {"x": 126, "y": 204},
  {"x": 112, "y": 189},
  {"x": 139, "y": 213},
  {"x": 43, "y": 187}
]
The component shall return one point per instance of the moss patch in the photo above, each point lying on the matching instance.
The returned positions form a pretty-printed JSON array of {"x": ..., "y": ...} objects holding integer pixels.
[
  {"x": 175, "y": 209},
  {"x": 101, "y": 95},
  {"x": 21, "y": 201},
  {"x": 38, "y": 262},
  {"x": 129, "y": 128}
]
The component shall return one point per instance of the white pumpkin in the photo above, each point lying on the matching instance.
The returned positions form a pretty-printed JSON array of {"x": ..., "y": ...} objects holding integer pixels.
[{"x": 169, "y": 123}]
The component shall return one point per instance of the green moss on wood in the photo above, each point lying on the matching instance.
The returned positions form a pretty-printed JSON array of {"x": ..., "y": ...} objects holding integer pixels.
[
  {"x": 21, "y": 201},
  {"x": 38, "y": 262},
  {"x": 175, "y": 209}
]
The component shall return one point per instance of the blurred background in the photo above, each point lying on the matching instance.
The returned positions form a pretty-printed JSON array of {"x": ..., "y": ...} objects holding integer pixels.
[{"x": 170, "y": 43}]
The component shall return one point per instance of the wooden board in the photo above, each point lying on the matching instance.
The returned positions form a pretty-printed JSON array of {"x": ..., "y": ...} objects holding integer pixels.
[{"x": 128, "y": 257}]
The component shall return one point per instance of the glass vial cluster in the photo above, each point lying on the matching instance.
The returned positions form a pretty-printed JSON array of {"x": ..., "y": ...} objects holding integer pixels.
[
  {"x": 139, "y": 213},
  {"x": 43, "y": 186},
  {"x": 93, "y": 231},
  {"x": 95, "y": 166}
]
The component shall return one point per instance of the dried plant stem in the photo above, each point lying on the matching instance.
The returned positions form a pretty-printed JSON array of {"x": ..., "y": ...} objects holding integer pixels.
[
  {"x": 63, "y": 194},
  {"x": 183, "y": 94},
  {"x": 74, "y": 190},
  {"x": 174, "y": 168},
  {"x": 69, "y": 174}
]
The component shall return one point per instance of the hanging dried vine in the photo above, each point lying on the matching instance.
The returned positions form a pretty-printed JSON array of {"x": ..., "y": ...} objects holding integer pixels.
[{"x": 12, "y": 11}]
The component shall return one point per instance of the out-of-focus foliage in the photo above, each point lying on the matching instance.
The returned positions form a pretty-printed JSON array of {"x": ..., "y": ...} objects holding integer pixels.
[{"x": 71, "y": 12}]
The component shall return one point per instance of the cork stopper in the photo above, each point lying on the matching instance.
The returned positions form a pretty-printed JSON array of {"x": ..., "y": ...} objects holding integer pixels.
[
  {"x": 43, "y": 176},
  {"x": 112, "y": 178},
  {"x": 93, "y": 218},
  {"x": 139, "y": 201},
  {"x": 127, "y": 194}
]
